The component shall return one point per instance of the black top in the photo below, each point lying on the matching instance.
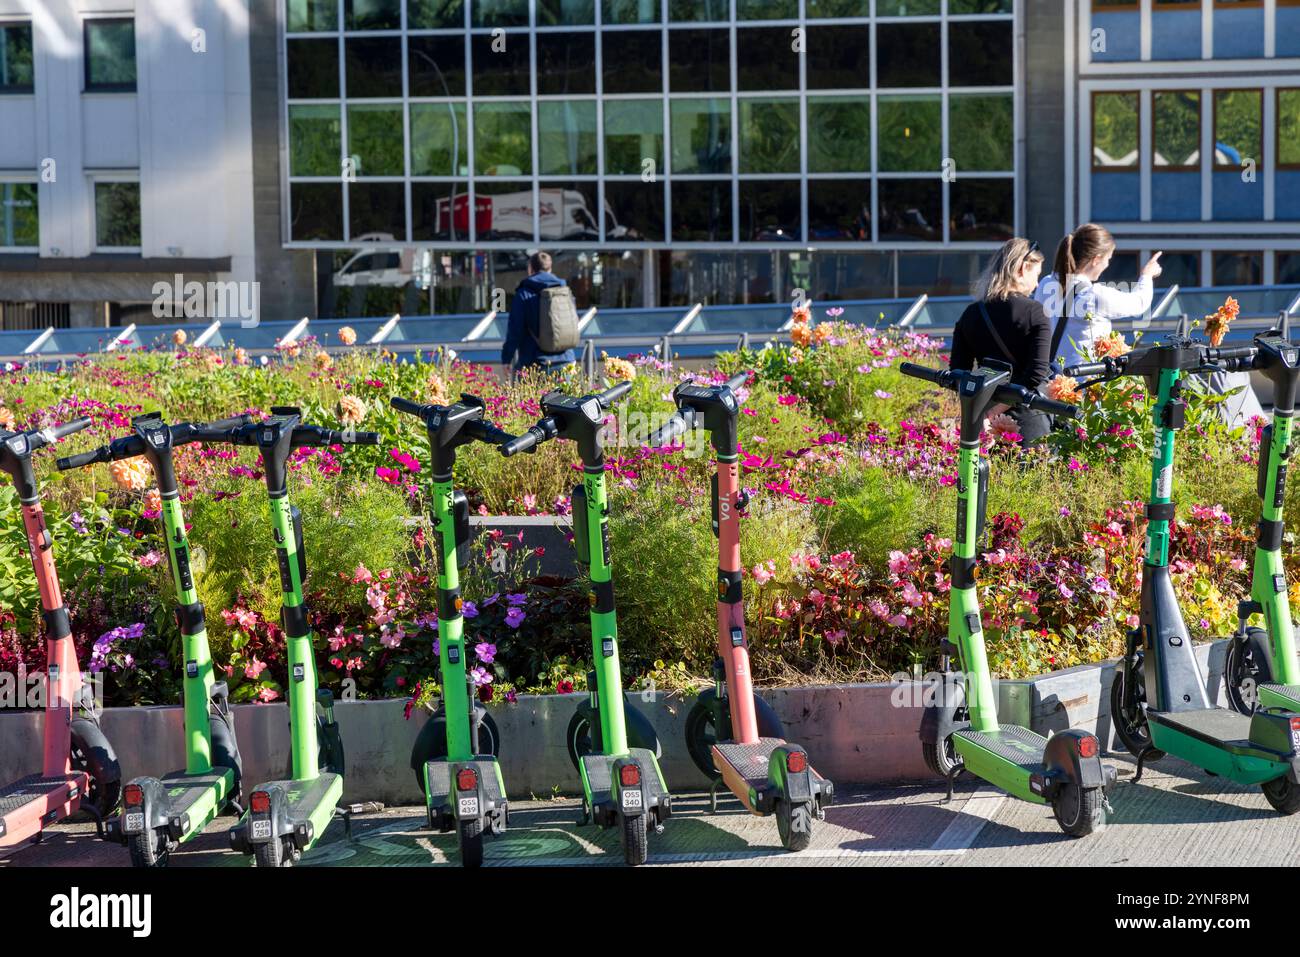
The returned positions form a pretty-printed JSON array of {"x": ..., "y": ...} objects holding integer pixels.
[{"x": 1025, "y": 330}]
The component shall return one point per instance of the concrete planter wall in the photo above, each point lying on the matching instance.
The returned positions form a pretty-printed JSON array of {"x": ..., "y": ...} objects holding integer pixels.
[{"x": 856, "y": 734}]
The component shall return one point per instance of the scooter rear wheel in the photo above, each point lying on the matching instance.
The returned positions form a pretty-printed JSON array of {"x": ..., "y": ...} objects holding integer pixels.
[
  {"x": 149, "y": 849},
  {"x": 1282, "y": 794},
  {"x": 941, "y": 756},
  {"x": 281, "y": 852},
  {"x": 1079, "y": 811},
  {"x": 470, "y": 836},
  {"x": 1131, "y": 721},
  {"x": 794, "y": 824},
  {"x": 92, "y": 753},
  {"x": 1245, "y": 668},
  {"x": 636, "y": 840}
]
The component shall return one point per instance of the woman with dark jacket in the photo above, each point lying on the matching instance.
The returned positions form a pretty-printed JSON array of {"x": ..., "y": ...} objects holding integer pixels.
[{"x": 1005, "y": 324}]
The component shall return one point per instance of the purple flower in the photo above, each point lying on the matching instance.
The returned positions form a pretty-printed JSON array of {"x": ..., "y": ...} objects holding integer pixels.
[
  {"x": 518, "y": 598},
  {"x": 480, "y": 677},
  {"x": 469, "y": 609},
  {"x": 486, "y": 652},
  {"x": 78, "y": 522},
  {"x": 492, "y": 599},
  {"x": 515, "y": 617}
]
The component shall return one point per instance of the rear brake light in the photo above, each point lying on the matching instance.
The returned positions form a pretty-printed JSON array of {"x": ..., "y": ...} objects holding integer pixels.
[
  {"x": 467, "y": 779},
  {"x": 629, "y": 775},
  {"x": 796, "y": 762},
  {"x": 133, "y": 795},
  {"x": 260, "y": 802},
  {"x": 1087, "y": 746}
]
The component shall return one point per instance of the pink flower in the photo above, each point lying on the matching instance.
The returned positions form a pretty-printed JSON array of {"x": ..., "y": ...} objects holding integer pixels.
[
  {"x": 764, "y": 572},
  {"x": 912, "y": 596},
  {"x": 150, "y": 559},
  {"x": 899, "y": 621},
  {"x": 835, "y": 637},
  {"x": 391, "y": 638},
  {"x": 486, "y": 652},
  {"x": 899, "y": 564},
  {"x": 391, "y": 476},
  {"x": 267, "y": 695},
  {"x": 362, "y": 574},
  {"x": 480, "y": 676},
  {"x": 254, "y": 668},
  {"x": 842, "y": 560}
]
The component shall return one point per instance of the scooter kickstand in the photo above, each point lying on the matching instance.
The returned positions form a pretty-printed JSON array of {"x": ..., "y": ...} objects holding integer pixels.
[
  {"x": 713, "y": 795},
  {"x": 952, "y": 778},
  {"x": 1142, "y": 762}
]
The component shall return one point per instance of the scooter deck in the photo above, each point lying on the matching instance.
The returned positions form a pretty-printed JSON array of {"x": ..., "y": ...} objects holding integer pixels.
[
  {"x": 597, "y": 777},
  {"x": 198, "y": 796},
  {"x": 311, "y": 801},
  {"x": 1218, "y": 740},
  {"x": 1008, "y": 757},
  {"x": 441, "y": 787},
  {"x": 1280, "y": 696},
  {"x": 33, "y": 802},
  {"x": 744, "y": 768}
]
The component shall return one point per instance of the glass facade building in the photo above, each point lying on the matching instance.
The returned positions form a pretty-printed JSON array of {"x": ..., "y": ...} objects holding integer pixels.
[{"x": 731, "y": 148}]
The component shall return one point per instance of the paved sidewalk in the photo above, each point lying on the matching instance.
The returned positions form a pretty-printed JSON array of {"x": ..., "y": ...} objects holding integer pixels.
[{"x": 1176, "y": 816}]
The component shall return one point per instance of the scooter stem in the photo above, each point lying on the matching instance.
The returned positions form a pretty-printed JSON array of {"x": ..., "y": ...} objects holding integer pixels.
[{"x": 733, "y": 646}]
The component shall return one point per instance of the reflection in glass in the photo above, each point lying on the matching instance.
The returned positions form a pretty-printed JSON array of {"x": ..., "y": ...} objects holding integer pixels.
[
  {"x": 439, "y": 139},
  {"x": 633, "y": 61},
  {"x": 554, "y": 13},
  {"x": 910, "y": 133},
  {"x": 316, "y": 212},
  {"x": 314, "y": 141},
  {"x": 436, "y": 65},
  {"x": 1238, "y": 127},
  {"x": 769, "y": 135},
  {"x": 302, "y": 16},
  {"x": 911, "y": 210},
  {"x": 566, "y": 133},
  {"x": 634, "y": 136},
  {"x": 374, "y": 67},
  {"x": 702, "y": 211},
  {"x": 635, "y": 211},
  {"x": 979, "y": 53},
  {"x": 1115, "y": 130},
  {"x": 982, "y": 209},
  {"x": 701, "y": 136},
  {"x": 372, "y": 14},
  {"x": 699, "y": 61},
  {"x": 439, "y": 211},
  {"x": 566, "y": 62},
  {"x": 839, "y": 134},
  {"x": 569, "y": 212},
  {"x": 504, "y": 209},
  {"x": 1177, "y": 129},
  {"x": 313, "y": 68},
  {"x": 435, "y": 14},
  {"x": 907, "y": 54},
  {"x": 1238, "y": 268},
  {"x": 630, "y": 11},
  {"x": 981, "y": 131},
  {"x": 766, "y": 59},
  {"x": 377, "y": 209},
  {"x": 839, "y": 58},
  {"x": 769, "y": 211},
  {"x": 503, "y": 139},
  {"x": 839, "y": 210},
  {"x": 500, "y": 70},
  {"x": 375, "y": 141},
  {"x": 19, "y": 215}
]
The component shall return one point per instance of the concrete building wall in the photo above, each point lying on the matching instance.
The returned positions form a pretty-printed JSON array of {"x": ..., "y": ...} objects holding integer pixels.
[{"x": 1044, "y": 93}]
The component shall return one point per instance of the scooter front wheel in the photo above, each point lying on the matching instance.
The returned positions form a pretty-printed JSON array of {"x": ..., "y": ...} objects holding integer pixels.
[
  {"x": 941, "y": 757},
  {"x": 1282, "y": 794},
  {"x": 1245, "y": 668},
  {"x": 470, "y": 836},
  {"x": 149, "y": 849},
  {"x": 277, "y": 852},
  {"x": 794, "y": 824},
  {"x": 92, "y": 753},
  {"x": 636, "y": 840},
  {"x": 1079, "y": 811},
  {"x": 1129, "y": 717}
]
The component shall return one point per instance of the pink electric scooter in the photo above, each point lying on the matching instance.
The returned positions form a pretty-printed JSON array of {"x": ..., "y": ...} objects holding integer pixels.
[
  {"x": 733, "y": 736},
  {"x": 80, "y": 770}
]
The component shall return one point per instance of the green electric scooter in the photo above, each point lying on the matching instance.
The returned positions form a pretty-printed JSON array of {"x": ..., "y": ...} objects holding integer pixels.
[
  {"x": 285, "y": 818},
  {"x": 160, "y": 814},
  {"x": 1159, "y": 703},
  {"x": 959, "y": 728},
  {"x": 1260, "y": 669},
  {"x": 622, "y": 785},
  {"x": 454, "y": 756}
]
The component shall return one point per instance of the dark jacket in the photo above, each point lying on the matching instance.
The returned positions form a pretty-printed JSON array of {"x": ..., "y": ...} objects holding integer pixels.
[
  {"x": 1024, "y": 328},
  {"x": 520, "y": 350}
]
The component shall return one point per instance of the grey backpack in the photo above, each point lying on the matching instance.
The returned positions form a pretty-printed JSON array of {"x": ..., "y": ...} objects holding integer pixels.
[{"x": 557, "y": 320}]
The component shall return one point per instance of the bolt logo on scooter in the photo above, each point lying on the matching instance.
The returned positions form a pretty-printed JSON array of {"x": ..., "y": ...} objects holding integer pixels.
[
  {"x": 731, "y": 733},
  {"x": 622, "y": 786},
  {"x": 1261, "y": 668},
  {"x": 960, "y": 731},
  {"x": 454, "y": 756},
  {"x": 1159, "y": 702},
  {"x": 79, "y": 770},
  {"x": 285, "y": 818},
  {"x": 160, "y": 814}
]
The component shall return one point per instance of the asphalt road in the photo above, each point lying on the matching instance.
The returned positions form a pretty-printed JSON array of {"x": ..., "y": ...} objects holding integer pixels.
[{"x": 1165, "y": 820}]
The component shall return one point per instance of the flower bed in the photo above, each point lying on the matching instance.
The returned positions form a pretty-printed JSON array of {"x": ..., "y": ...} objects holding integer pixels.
[{"x": 848, "y": 463}]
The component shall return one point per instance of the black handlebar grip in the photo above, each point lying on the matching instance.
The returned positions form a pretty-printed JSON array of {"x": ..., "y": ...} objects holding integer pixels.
[
  {"x": 523, "y": 443},
  {"x": 937, "y": 376},
  {"x": 1052, "y": 407},
  {"x": 350, "y": 438},
  {"x": 1087, "y": 368},
  {"x": 1236, "y": 352},
  {"x": 614, "y": 393},
  {"x": 737, "y": 380},
  {"x": 67, "y": 428},
  {"x": 406, "y": 405},
  {"x": 234, "y": 422},
  {"x": 489, "y": 433},
  {"x": 679, "y": 424},
  {"x": 100, "y": 454}
]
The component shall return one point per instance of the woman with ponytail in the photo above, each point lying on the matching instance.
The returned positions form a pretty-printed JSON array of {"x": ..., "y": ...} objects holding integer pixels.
[{"x": 1080, "y": 307}]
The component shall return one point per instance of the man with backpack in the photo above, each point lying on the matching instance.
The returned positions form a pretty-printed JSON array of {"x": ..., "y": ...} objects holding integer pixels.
[{"x": 543, "y": 326}]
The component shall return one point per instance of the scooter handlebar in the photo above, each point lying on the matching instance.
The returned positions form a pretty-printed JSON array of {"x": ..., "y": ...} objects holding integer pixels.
[
  {"x": 543, "y": 431},
  {"x": 614, "y": 393},
  {"x": 407, "y": 406},
  {"x": 940, "y": 377},
  {"x": 737, "y": 380},
  {"x": 101, "y": 454},
  {"x": 682, "y": 421},
  {"x": 484, "y": 431},
  {"x": 315, "y": 435},
  {"x": 1052, "y": 407},
  {"x": 68, "y": 428}
]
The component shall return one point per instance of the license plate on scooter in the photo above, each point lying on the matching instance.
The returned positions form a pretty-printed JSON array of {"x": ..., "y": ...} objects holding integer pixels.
[
  {"x": 468, "y": 807},
  {"x": 262, "y": 830},
  {"x": 134, "y": 822},
  {"x": 631, "y": 800}
]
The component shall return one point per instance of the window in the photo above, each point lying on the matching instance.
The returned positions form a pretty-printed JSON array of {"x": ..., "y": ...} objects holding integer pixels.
[
  {"x": 316, "y": 212},
  {"x": 377, "y": 208},
  {"x": 907, "y": 54},
  {"x": 769, "y": 211},
  {"x": 110, "y": 55},
  {"x": 839, "y": 58},
  {"x": 1179, "y": 269},
  {"x": 766, "y": 59},
  {"x": 702, "y": 211},
  {"x": 907, "y": 8},
  {"x": 636, "y": 210},
  {"x": 706, "y": 11},
  {"x": 503, "y": 138},
  {"x": 838, "y": 127},
  {"x": 554, "y": 13},
  {"x": 432, "y": 206},
  {"x": 117, "y": 216},
  {"x": 767, "y": 9},
  {"x": 372, "y": 14},
  {"x": 980, "y": 53},
  {"x": 313, "y": 69},
  {"x": 500, "y": 71},
  {"x": 314, "y": 147},
  {"x": 374, "y": 67},
  {"x": 910, "y": 133},
  {"x": 305, "y": 16},
  {"x": 629, "y": 11},
  {"x": 16, "y": 74},
  {"x": 566, "y": 63},
  {"x": 436, "y": 65},
  {"x": 1238, "y": 269},
  {"x": 911, "y": 210},
  {"x": 981, "y": 131},
  {"x": 1114, "y": 131},
  {"x": 982, "y": 210},
  {"x": 433, "y": 14},
  {"x": 699, "y": 61},
  {"x": 701, "y": 136},
  {"x": 566, "y": 131},
  {"x": 1288, "y": 129},
  {"x": 439, "y": 139},
  {"x": 839, "y": 210},
  {"x": 1177, "y": 129},
  {"x": 633, "y": 61},
  {"x": 19, "y": 216},
  {"x": 375, "y": 142},
  {"x": 1238, "y": 127},
  {"x": 1287, "y": 271},
  {"x": 634, "y": 137},
  {"x": 1124, "y": 267},
  {"x": 769, "y": 135},
  {"x": 499, "y": 13}
]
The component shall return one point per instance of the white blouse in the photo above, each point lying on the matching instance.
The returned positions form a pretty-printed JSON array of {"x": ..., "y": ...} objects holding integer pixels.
[{"x": 1094, "y": 306}]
